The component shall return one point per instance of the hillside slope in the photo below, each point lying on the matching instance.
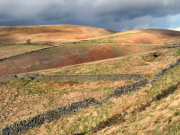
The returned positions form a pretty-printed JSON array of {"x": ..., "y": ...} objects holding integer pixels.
[
  {"x": 146, "y": 36},
  {"x": 150, "y": 109},
  {"x": 26, "y": 98},
  {"x": 13, "y": 39},
  {"x": 94, "y": 49},
  {"x": 49, "y": 33}
]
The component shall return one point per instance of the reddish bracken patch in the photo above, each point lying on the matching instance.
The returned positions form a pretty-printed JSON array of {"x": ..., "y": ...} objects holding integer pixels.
[
  {"x": 67, "y": 61},
  {"x": 99, "y": 54},
  {"x": 93, "y": 55},
  {"x": 71, "y": 60},
  {"x": 5, "y": 72}
]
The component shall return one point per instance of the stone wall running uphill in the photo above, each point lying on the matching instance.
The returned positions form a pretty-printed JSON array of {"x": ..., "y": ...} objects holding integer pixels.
[
  {"x": 77, "y": 106},
  {"x": 48, "y": 116}
]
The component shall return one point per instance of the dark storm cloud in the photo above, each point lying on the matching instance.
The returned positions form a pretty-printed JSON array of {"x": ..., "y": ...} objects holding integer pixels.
[
  {"x": 57, "y": 11},
  {"x": 130, "y": 9},
  {"x": 99, "y": 13}
]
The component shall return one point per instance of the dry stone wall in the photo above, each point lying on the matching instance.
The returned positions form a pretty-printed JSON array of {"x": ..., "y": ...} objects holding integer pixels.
[
  {"x": 27, "y": 53},
  {"x": 76, "y": 78},
  {"x": 62, "y": 44},
  {"x": 8, "y": 78},
  {"x": 48, "y": 116},
  {"x": 163, "y": 72},
  {"x": 126, "y": 89},
  {"x": 77, "y": 106},
  {"x": 86, "y": 77},
  {"x": 68, "y": 109}
]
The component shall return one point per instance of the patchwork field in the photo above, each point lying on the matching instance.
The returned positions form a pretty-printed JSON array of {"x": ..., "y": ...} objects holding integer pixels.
[{"x": 67, "y": 49}]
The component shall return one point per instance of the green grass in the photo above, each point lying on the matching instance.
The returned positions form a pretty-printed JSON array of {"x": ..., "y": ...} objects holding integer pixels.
[
  {"x": 42, "y": 94},
  {"x": 86, "y": 119},
  {"x": 66, "y": 55},
  {"x": 178, "y": 52},
  {"x": 111, "y": 67},
  {"x": 16, "y": 49}
]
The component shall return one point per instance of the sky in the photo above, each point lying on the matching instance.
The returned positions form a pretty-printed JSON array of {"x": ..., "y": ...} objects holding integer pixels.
[{"x": 109, "y": 14}]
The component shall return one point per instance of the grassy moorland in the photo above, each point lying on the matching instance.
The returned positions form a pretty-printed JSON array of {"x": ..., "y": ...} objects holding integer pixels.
[
  {"x": 17, "y": 49},
  {"x": 120, "y": 115},
  {"x": 150, "y": 110},
  {"x": 13, "y": 40},
  {"x": 93, "y": 49},
  {"x": 23, "y": 99},
  {"x": 49, "y": 33},
  {"x": 64, "y": 56},
  {"x": 143, "y": 63}
]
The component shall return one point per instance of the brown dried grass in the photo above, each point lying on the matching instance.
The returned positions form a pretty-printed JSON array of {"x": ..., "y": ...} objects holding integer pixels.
[
  {"x": 55, "y": 33},
  {"x": 145, "y": 122},
  {"x": 140, "y": 63}
]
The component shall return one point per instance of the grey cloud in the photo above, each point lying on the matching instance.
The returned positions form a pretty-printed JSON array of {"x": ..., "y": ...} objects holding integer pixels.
[
  {"x": 124, "y": 10},
  {"x": 98, "y": 13}
]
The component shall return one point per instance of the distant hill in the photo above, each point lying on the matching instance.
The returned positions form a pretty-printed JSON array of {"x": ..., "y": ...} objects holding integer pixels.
[
  {"x": 49, "y": 33},
  {"x": 148, "y": 36}
]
